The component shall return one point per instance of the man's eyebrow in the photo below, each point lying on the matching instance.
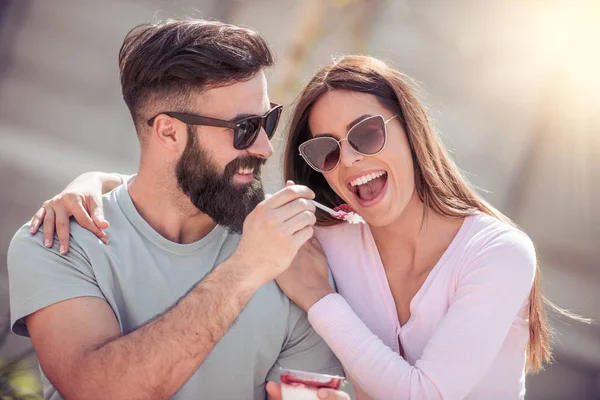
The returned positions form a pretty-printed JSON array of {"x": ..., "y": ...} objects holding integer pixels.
[{"x": 240, "y": 116}]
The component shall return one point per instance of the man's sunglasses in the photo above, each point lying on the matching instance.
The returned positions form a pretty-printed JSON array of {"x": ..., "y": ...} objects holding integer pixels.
[
  {"x": 368, "y": 137},
  {"x": 245, "y": 130}
]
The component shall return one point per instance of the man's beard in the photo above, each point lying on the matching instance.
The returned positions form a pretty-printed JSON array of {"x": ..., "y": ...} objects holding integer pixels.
[{"x": 214, "y": 193}]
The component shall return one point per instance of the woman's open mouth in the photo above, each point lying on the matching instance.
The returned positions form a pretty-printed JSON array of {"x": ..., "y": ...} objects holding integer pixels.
[{"x": 369, "y": 188}]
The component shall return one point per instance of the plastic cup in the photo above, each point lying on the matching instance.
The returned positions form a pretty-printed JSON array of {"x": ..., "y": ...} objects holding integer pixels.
[{"x": 301, "y": 385}]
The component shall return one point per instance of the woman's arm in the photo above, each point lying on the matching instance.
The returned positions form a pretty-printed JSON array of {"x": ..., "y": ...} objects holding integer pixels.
[
  {"x": 81, "y": 199},
  {"x": 491, "y": 290}
]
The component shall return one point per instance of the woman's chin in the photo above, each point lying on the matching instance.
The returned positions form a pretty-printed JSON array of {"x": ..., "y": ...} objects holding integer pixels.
[
  {"x": 378, "y": 220},
  {"x": 377, "y": 216}
]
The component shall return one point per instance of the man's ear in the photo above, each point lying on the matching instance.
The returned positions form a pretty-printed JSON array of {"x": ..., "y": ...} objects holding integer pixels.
[{"x": 170, "y": 133}]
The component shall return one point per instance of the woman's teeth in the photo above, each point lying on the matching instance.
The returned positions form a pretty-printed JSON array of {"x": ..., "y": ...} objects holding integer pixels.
[{"x": 366, "y": 178}]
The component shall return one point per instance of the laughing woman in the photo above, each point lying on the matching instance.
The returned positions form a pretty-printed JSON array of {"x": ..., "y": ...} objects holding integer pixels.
[{"x": 438, "y": 296}]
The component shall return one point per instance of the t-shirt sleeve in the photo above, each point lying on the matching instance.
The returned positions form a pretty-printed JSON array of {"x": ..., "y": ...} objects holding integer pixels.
[
  {"x": 40, "y": 277},
  {"x": 304, "y": 349}
]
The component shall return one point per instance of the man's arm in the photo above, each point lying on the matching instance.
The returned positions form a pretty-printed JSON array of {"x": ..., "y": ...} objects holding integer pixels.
[
  {"x": 154, "y": 361},
  {"x": 304, "y": 350},
  {"x": 75, "y": 332}
]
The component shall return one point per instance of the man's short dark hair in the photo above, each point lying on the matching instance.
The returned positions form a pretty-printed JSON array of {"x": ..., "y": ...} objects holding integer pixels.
[{"x": 163, "y": 63}]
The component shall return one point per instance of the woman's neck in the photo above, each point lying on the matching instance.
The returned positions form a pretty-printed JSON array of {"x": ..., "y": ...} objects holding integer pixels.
[
  {"x": 413, "y": 240},
  {"x": 405, "y": 230}
]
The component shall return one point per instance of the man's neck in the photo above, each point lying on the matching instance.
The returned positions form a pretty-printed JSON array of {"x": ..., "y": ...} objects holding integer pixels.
[{"x": 167, "y": 210}]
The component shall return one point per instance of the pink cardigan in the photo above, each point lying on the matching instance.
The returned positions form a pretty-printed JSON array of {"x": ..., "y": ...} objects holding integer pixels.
[{"x": 468, "y": 331}]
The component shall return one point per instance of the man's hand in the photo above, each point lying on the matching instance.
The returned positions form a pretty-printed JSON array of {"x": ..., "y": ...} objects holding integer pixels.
[
  {"x": 274, "y": 393},
  {"x": 274, "y": 232}
]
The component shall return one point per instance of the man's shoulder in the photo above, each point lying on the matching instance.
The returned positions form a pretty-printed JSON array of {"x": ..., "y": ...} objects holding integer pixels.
[
  {"x": 23, "y": 241},
  {"x": 40, "y": 276},
  {"x": 111, "y": 205},
  {"x": 112, "y": 213},
  {"x": 25, "y": 246}
]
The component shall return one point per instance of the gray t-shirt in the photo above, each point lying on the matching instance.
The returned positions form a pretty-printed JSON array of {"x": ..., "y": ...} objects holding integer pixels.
[{"x": 141, "y": 274}]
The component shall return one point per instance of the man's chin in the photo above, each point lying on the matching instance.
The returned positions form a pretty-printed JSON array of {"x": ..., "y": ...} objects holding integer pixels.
[
  {"x": 250, "y": 190},
  {"x": 241, "y": 187}
]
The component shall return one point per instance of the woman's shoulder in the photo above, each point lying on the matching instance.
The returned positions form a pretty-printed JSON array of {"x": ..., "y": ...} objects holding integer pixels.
[
  {"x": 346, "y": 243},
  {"x": 339, "y": 233},
  {"x": 485, "y": 232},
  {"x": 492, "y": 243}
]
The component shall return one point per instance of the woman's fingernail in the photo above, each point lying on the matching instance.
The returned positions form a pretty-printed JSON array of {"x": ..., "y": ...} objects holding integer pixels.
[
  {"x": 47, "y": 242},
  {"x": 62, "y": 249}
]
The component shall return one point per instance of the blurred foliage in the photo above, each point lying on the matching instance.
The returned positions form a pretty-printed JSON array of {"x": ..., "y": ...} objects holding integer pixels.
[{"x": 18, "y": 379}]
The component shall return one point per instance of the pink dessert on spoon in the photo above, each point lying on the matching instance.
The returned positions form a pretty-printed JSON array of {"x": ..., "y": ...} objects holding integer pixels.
[{"x": 344, "y": 212}]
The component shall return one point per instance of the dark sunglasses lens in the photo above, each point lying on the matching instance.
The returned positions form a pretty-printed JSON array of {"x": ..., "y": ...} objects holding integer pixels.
[
  {"x": 368, "y": 136},
  {"x": 271, "y": 121},
  {"x": 323, "y": 153},
  {"x": 246, "y": 133}
]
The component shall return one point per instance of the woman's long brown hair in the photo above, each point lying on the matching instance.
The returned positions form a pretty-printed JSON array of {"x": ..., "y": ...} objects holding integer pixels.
[{"x": 439, "y": 183}]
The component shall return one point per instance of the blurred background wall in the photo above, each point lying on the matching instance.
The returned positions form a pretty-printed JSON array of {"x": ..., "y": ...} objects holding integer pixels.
[{"x": 512, "y": 86}]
